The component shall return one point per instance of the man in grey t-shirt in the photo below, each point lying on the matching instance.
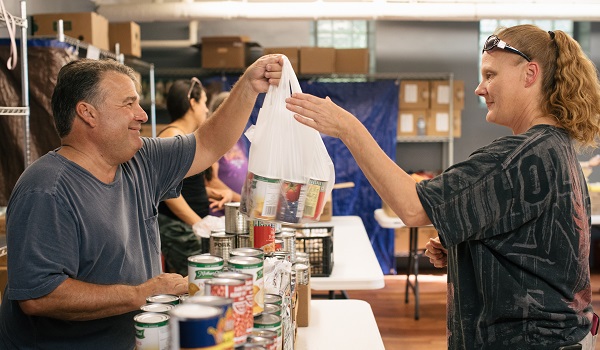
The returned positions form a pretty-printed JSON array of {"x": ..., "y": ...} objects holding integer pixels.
[{"x": 82, "y": 231}]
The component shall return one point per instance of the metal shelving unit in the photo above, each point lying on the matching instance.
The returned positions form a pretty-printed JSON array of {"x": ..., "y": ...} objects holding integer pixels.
[{"x": 22, "y": 111}]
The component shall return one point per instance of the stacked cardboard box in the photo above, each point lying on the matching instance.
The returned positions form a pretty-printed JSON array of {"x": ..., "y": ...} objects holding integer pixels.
[
  {"x": 89, "y": 27},
  {"x": 424, "y": 108}
]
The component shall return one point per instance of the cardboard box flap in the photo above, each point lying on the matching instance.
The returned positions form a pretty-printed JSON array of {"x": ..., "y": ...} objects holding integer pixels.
[{"x": 225, "y": 39}]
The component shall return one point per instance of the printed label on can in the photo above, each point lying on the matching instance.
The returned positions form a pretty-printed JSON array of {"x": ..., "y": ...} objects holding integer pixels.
[
  {"x": 270, "y": 322},
  {"x": 263, "y": 196},
  {"x": 195, "y": 326},
  {"x": 262, "y": 236},
  {"x": 292, "y": 198},
  {"x": 234, "y": 289},
  {"x": 252, "y": 266},
  {"x": 315, "y": 199},
  {"x": 200, "y": 269},
  {"x": 151, "y": 331}
]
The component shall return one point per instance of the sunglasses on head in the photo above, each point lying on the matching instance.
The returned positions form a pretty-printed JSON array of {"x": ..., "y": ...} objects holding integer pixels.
[
  {"x": 493, "y": 42},
  {"x": 194, "y": 81}
]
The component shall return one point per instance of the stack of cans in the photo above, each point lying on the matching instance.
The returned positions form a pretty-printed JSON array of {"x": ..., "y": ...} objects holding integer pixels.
[{"x": 236, "y": 224}]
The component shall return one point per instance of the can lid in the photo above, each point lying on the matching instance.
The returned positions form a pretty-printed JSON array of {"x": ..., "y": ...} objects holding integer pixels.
[
  {"x": 156, "y": 307},
  {"x": 233, "y": 274},
  {"x": 244, "y": 260},
  {"x": 247, "y": 251},
  {"x": 212, "y": 300},
  {"x": 267, "y": 320},
  {"x": 194, "y": 311},
  {"x": 151, "y": 318},
  {"x": 206, "y": 259},
  {"x": 224, "y": 282},
  {"x": 162, "y": 298},
  {"x": 232, "y": 204}
]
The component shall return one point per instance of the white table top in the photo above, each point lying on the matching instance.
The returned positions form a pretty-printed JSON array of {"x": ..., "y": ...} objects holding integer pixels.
[
  {"x": 340, "y": 324},
  {"x": 355, "y": 266},
  {"x": 386, "y": 221}
]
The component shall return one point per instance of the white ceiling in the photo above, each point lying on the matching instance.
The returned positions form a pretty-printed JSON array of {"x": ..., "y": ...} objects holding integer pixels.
[{"x": 424, "y": 10}]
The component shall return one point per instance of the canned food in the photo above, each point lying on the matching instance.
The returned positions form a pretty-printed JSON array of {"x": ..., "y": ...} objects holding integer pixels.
[
  {"x": 288, "y": 238},
  {"x": 248, "y": 251},
  {"x": 236, "y": 290},
  {"x": 226, "y": 320},
  {"x": 282, "y": 256},
  {"x": 249, "y": 346},
  {"x": 262, "y": 235},
  {"x": 221, "y": 243},
  {"x": 200, "y": 269},
  {"x": 272, "y": 323},
  {"x": 235, "y": 222},
  {"x": 184, "y": 296},
  {"x": 163, "y": 299},
  {"x": 265, "y": 333},
  {"x": 155, "y": 307},
  {"x": 273, "y": 299},
  {"x": 248, "y": 284},
  {"x": 262, "y": 195},
  {"x": 278, "y": 244},
  {"x": 292, "y": 197},
  {"x": 302, "y": 274},
  {"x": 267, "y": 343},
  {"x": 252, "y": 266},
  {"x": 195, "y": 326},
  {"x": 151, "y": 331},
  {"x": 242, "y": 241},
  {"x": 315, "y": 199},
  {"x": 272, "y": 309}
]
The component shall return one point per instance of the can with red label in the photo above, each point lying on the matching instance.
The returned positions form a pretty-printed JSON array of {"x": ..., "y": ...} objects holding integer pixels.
[
  {"x": 248, "y": 283},
  {"x": 236, "y": 290},
  {"x": 262, "y": 235},
  {"x": 252, "y": 266}
]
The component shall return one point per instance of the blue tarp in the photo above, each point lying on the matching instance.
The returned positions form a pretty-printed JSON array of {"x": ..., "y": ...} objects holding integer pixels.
[{"x": 375, "y": 104}]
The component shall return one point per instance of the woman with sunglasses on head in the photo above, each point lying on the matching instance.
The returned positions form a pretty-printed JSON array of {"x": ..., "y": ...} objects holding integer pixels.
[
  {"x": 514, "y": 218},
  {"x": 180, "y": 217}
]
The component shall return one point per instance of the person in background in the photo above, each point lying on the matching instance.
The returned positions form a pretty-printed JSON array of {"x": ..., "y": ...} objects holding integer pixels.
[
  {"x": 81, "y": 224},
  {"x": 181, "y": 219},
  {"x": 229, "y": 173},
  {"x": 514, "y": 218}
]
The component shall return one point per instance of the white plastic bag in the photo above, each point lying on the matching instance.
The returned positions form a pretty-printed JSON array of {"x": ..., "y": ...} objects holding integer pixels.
[{"x": 290, "y": 173}]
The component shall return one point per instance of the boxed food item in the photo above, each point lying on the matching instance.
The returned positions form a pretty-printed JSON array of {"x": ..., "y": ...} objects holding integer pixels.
[
  {"x": 128, "y": 36},
  {"x": 224, "y": 51},
  {"x": 292, "y": 54},
  {"x": 352, "y": 61},
  {"x": 438, "y": 123},
  {"x": 414, "y": 94},
  {"x": 89, "y": 27},
  {"x": 411, "y": 122},
  {"x": 441, "y": 94},
  {"x": 401, "y": 238},
  {"x": 317, "y": 60}
]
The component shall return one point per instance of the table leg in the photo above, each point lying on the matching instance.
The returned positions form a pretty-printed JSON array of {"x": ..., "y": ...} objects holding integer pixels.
[{"x": 413, "y": 268}]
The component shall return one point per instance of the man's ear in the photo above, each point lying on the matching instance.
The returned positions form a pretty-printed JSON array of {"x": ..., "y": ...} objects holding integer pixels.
[
  {"x": 86, "y": 113},
  {"x": 532, "y": 74}
]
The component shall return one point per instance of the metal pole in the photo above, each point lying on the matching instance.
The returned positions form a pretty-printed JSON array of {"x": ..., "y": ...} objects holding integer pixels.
[
  {"x": 25, "y": 85},
  {"x": 152, "y": 101}
]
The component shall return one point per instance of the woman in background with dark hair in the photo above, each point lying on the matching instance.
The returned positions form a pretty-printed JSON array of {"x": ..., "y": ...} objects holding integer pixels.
[{"x": 180, "y": 219}]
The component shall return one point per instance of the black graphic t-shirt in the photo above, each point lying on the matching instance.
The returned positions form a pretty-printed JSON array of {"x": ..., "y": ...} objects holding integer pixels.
[{"x": 515, "y": 218}]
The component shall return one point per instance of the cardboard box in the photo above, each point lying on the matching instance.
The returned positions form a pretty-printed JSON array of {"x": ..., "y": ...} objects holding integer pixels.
[
  {"x": 440, "y": 94},
  {"x": 89, "y": 27},
  {"x": 224, "y": 52},
  {"x": 411, "y": 122},
  {"x": 303, "y": 304},
  {"x": 352, "y": 61},
  {"x": 595, "y": 201},
  {"x": 317, "y": 60},
  {"x": 401, "y": 238},
  {"x": 2, "y": 224},
  {"x": 128, "y": 36},
  {"x": 292, "y": 54},
  {"x": 438, "y": 123},
  {"x": 414, "y": 94}
]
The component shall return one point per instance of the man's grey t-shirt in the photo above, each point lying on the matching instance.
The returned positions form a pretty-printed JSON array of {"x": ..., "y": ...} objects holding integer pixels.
[
  {"x": 63, "y": 222},
  {"x": 515, "y": 217}
]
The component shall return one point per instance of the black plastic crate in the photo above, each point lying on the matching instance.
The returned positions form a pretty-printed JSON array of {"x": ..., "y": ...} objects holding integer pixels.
[{"x": 317, "y": 242}]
